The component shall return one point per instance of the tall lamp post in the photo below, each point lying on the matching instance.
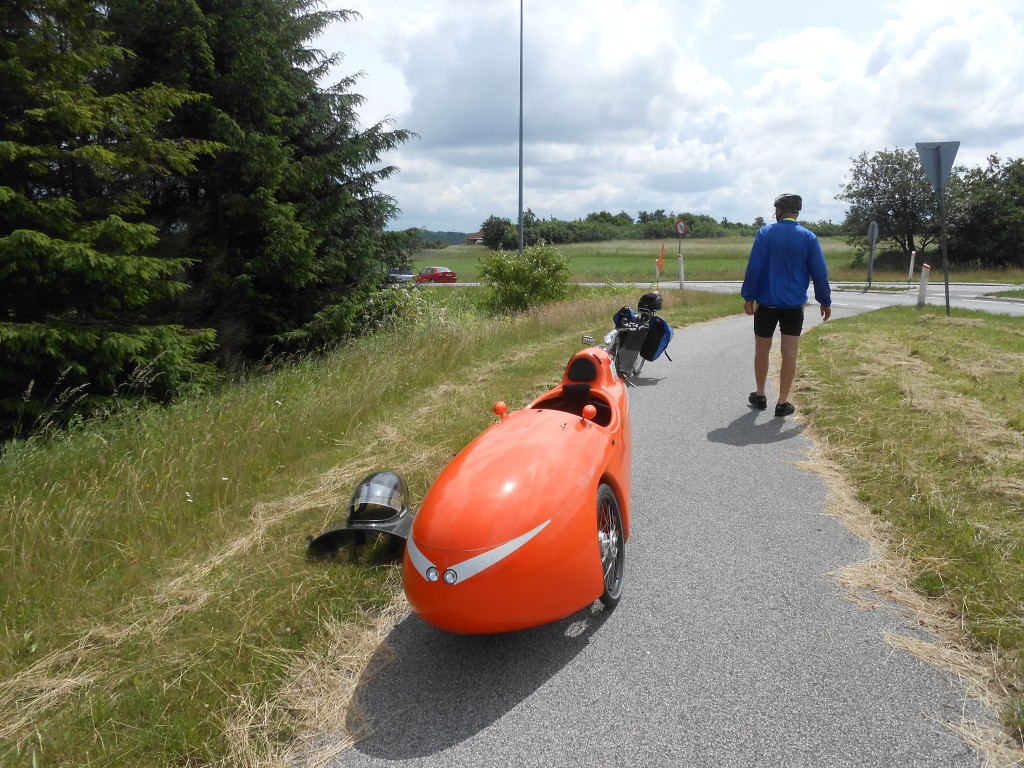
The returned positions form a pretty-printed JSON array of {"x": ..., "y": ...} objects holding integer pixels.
[{"x": 520, "y": 127}]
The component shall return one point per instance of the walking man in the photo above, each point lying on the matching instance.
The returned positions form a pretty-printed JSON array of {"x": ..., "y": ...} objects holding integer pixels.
[{"x": 784, "y": 259}]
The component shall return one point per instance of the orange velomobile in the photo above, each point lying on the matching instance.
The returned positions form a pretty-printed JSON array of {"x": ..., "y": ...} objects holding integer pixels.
[{"x": 528, "y": 523}]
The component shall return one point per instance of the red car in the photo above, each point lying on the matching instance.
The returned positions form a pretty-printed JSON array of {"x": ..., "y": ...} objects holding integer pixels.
[{"x": 436, "y": 275}]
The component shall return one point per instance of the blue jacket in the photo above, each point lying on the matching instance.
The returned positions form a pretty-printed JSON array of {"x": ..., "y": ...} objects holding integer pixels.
[{"x": 784, "y": 259}]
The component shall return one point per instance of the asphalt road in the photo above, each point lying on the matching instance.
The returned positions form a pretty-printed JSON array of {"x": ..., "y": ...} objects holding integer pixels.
[
  {"x": 852, "y": 296},
  {"x": 733, "y": 644}
]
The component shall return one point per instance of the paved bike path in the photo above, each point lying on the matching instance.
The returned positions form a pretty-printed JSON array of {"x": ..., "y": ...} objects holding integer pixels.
[{"x": 732, "y": 646}]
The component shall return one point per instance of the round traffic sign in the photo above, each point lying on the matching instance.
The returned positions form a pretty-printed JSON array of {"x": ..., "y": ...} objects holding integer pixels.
[{"x": 680, "y": 227}]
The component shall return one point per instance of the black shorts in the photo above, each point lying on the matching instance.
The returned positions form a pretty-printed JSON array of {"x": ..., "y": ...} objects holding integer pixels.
[{"x": 789, "y": 319}]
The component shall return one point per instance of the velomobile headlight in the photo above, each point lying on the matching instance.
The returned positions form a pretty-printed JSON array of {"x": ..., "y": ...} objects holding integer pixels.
[
  {"x": 432, "y": 574},
  {"x": 450, "y": 576}
]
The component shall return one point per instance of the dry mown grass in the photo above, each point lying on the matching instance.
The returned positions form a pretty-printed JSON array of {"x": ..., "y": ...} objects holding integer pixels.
[
  {"x": 886, "y": 579},
  {"x": 913, "y": 417}
]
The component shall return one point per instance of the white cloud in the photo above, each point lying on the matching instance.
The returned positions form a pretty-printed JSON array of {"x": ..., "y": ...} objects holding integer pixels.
[{"x": 709, "y": 106}]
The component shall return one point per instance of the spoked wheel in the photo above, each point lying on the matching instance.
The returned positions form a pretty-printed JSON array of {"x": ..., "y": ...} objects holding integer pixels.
[{"x": 612, "y": 545}]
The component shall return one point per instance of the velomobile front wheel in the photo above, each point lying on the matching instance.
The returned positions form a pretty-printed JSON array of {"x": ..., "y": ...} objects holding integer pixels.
[{"x": 612, "y": 545}]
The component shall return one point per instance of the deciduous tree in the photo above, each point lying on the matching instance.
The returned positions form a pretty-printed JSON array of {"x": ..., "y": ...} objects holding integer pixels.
[
  {"x": 986, "y": 215},
  {"x": 890, "y": 187},
  {"x": 500, "y": 233}
]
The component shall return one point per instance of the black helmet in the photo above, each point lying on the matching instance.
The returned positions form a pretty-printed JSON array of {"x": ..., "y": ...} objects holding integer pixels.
[
  {"x": 789, "y": 202},
  {"x": 650, "y": 301},
  {"x": 379, "y": 505}
]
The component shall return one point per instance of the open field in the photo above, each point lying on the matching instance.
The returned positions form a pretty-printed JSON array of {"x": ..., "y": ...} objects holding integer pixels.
[{"x": 722, "y": 258}]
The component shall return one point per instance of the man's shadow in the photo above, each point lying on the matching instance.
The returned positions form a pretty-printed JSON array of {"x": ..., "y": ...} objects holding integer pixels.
[
  {"x": 746, "y": 431},
  {"x": 427, "y": 690}
]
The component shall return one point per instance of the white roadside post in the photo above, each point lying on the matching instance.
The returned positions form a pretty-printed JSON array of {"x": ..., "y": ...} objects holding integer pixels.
[
  {"x": 913, "y": 258},
  {"x": 922, "y": 292},
  {"x": 680, "y": 231}
]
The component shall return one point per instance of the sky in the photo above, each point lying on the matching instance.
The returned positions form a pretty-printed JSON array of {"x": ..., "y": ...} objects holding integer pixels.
[{"x": 703, "y": 106}]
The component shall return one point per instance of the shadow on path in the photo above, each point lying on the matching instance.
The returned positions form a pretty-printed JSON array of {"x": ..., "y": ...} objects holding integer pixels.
[
  {"x": 445, "y": 688},
  {"x": 746, "y": 431}
]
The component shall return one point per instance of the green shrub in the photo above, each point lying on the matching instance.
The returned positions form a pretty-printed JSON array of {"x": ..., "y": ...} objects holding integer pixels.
[{"x": 514, "y": 282}]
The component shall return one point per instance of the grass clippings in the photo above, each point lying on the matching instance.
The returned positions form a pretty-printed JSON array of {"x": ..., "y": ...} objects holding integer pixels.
[{"x": 917, "y": 429}]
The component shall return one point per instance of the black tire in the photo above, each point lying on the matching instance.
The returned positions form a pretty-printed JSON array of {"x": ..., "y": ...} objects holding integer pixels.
[
  {"x": 611, "y": 544},
  {"x": 638, "y": 366}
]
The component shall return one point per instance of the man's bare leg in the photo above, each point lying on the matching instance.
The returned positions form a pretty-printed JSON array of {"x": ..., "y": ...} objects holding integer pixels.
[
  {"x": 762, "y": 348},
  {"x": 789, "y": 346}
]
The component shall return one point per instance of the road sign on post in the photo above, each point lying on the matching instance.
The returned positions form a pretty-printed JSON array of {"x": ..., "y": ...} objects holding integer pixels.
[
  {"x": 937, "y": 158},
  {"x": 872, "y": 239}
]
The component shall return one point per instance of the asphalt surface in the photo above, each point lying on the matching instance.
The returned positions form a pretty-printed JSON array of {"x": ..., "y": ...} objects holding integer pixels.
[
  {"x": 976, "y": 296},
  {"x": 733, "y": 644}
]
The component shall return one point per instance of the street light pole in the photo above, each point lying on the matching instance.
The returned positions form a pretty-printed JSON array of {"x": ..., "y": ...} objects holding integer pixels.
[{"x": 520, "y": 127}]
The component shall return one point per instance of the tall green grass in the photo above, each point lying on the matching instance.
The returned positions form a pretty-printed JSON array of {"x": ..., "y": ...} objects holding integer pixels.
[{"x": 156, "y": 598}]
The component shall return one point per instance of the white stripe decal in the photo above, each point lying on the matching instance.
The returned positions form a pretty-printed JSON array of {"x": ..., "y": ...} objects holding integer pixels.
[
  {"x": 419, "y": 562},
  {"x": 470, "y": 568}
]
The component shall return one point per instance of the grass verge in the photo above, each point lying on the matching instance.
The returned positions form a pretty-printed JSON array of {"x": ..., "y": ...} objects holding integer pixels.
[
  {"x": 924, "y": 417},
  {"x": 157, "y": 605}
]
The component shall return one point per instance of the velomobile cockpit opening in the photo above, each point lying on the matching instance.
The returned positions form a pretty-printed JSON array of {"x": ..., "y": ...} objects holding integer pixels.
[
  {"x": 577, "y": 391},
  {"x": 572, "y": 398}
]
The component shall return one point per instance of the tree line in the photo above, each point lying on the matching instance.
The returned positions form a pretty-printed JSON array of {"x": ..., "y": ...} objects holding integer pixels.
[
  {"x": 178, "y": 196},
  {"x": 503, "y": 233},
  {"x": 985, "y": 215}
]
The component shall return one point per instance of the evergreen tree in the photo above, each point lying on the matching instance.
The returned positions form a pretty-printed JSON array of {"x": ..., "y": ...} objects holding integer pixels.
[
  {"x": 284, "y": 221},
  {"x": 79, "y": 283}
]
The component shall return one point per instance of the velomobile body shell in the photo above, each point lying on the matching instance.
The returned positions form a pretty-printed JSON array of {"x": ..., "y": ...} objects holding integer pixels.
[{"x": 506, "y": 537}]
